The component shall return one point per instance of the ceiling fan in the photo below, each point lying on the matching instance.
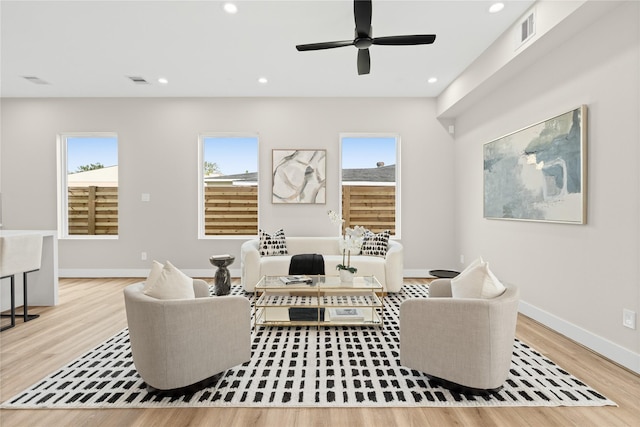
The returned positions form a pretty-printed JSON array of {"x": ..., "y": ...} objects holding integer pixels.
[{"x": 363, "y": 38}]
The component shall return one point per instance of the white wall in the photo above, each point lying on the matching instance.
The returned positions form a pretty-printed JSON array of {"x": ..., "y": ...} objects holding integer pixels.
[
  {"x": 158, "y": 155},
  {"x": 576, "y": 278}
]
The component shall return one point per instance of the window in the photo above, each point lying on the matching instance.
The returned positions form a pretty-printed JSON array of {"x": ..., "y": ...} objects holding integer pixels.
[
  {"x": 228, "y": 176},
  {"x": 370, "y": 181},
  {"x": 88, "y": 185}
]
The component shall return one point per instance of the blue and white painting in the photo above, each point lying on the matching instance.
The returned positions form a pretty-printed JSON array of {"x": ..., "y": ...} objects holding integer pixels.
[
  {"x": 538, "y": 173},
  {"x": 299, "y": 176}
]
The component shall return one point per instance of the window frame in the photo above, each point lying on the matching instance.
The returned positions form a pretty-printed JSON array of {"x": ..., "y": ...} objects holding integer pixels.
[
  {"x": 63, "y": 185},
  {"x": 398, "y": 206},
  {"x": 200, "y": 169}
]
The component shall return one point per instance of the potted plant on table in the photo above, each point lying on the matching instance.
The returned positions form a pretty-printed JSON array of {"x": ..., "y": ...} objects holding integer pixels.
[{"x": 352, "y": 240}]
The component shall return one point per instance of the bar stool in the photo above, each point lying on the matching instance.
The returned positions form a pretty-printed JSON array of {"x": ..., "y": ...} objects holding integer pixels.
[{"x": 19, "y": 254}]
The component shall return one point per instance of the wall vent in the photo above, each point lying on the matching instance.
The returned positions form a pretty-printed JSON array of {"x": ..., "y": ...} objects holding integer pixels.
[
  {"x": 527, "y": 28},
  {"x": 35, "y": 80},
  {"x": 138, "y": 80}
]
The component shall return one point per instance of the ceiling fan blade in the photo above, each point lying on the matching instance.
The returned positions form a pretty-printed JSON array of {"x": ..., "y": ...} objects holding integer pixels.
[
  {"x": 325, "y": 45},
  {"x": 405, "y": 40},
  {"x": 364, "y": 61},
  {"x": 362, "y": 15}
]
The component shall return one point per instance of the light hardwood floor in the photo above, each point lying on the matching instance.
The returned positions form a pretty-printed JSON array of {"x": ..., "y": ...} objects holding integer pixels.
[{"x": 92, "y": 310}]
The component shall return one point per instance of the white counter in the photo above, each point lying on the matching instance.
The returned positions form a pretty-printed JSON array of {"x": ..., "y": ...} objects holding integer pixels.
[{"x": 42, "y": 284}]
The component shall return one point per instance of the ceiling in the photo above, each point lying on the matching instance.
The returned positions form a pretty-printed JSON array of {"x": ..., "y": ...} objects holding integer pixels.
[{"x": 91, "y": 48}]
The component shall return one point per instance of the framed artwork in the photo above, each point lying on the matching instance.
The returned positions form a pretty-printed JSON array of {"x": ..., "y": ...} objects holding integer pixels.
[
  {"x": 299, "y": 176},
  {"x": 539, "y": 173}
]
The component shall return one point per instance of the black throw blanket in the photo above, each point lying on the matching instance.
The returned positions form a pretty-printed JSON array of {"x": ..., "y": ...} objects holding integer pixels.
[{"x": 307, "y": 264}]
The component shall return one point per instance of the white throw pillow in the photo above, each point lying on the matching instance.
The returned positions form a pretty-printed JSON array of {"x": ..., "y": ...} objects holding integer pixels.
[
  {"x": 154, "y": 274},
  {"x": 168, "y": 283},
  {"x": 476, "y": 281}
]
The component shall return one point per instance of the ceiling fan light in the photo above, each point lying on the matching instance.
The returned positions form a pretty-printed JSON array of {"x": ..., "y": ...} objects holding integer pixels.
[{"x": 496, "y": 7}]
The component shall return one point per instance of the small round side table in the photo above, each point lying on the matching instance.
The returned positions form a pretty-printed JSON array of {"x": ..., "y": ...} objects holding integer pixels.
[
  {"x": 444, "y": 274},
  {"x": 222, "y": 284}
]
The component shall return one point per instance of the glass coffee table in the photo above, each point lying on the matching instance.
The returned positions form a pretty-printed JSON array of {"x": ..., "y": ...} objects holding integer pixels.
[{"x": 318, "y": 301}]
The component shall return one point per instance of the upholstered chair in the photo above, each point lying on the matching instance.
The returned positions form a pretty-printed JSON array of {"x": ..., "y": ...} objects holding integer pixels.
[
  {"x": 181, "y": 344},
  {"x": 19, "y": 254},
  {"x": 465, "y": 344}
]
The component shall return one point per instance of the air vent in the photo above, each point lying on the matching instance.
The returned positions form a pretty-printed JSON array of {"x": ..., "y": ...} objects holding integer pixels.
[
  {"x": 527, "y": 28},
  {"x": 138, "y": 80},
  {"x": 35, "y": 80}
]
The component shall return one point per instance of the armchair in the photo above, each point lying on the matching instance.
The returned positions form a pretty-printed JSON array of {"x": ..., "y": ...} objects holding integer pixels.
[
  {"x": 183, "y": 343},
  {"x": 466, "y": 344}
]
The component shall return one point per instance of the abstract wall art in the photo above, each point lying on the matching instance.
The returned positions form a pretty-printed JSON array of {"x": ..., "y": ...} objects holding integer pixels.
[
  {"x": 539, "y": 173},
  {"x": 299, "y": 176}
]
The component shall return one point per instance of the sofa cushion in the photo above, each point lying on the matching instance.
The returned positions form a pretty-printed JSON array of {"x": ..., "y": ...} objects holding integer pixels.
[
  {"x": 274, "y": 265},
  {"x": 154, "y": 274},
  {"x": 476, "y": 281},
  {"x": 273, "y": 244},
  {"x": 375, "y": 244},
  {"x": 167, "y": 282},
  {"x": 313, "y": 245},
  {"x": 366, "y": 265}
]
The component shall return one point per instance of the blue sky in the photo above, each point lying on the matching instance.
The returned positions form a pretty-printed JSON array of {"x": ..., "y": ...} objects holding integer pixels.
[
  {"x": 366, "y": 152},
  {"x": 87, "y": 150},
  {"x": 233, "y": 155},
  {"x": 357, "y": 153}
]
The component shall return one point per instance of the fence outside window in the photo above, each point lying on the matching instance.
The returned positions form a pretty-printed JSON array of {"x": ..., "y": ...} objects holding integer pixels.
[
  {"x": 370, "y": 206},
  {"x": 229, "y": 210},
  {"x": 93, "y": 210}
]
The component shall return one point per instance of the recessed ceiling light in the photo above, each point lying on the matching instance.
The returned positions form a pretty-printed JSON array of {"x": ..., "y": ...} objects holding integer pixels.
[
  {"x": 263, "y": 80},
  {"x": 230, "y": 8},
  {"x": 163, "y": 81},
  {"x": 496, "y": 7},
  {"x": 432, "y": 80}
]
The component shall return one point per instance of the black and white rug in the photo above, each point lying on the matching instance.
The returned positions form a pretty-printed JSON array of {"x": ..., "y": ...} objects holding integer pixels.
[{"x": 306, "y": 367}]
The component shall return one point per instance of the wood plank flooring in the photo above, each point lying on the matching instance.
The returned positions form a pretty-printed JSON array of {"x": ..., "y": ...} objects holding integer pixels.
[{"x": 92, "y": 310}]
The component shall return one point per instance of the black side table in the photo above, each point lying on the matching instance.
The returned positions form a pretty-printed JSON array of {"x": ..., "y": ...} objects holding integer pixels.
[{"x": 222, "y": 285}]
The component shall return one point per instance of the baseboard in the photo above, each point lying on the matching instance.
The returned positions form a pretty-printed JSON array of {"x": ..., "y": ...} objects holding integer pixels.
[
  {"x": 132, "y": 272},
  {"x": 416, "y": 273},
  {"x": 99, "y": 273},
  {"x": 602, "y": 346}
]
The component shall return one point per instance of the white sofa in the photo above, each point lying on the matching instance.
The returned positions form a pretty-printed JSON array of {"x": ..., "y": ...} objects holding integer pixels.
[{"x": 388, "y": 269}]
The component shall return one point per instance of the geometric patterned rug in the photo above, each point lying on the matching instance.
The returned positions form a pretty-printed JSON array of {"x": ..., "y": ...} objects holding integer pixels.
[{"x": 305, "y": 367}]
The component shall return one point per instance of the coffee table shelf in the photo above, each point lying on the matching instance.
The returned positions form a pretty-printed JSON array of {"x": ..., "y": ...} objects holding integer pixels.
[{"x": 361, "y": 301}]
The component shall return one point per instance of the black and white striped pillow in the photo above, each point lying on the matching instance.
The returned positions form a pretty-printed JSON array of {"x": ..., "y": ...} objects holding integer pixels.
[
  {"x": 273, "y": 244},
  {"x": 376, "y": 244}
]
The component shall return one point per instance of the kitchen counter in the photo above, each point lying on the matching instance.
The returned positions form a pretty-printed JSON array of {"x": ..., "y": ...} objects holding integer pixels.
[{"x": 43, "y": 284}]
